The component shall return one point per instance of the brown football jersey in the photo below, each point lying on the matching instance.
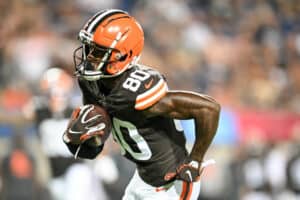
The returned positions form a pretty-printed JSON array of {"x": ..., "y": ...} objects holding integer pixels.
[{"x": 155, "y": 144}]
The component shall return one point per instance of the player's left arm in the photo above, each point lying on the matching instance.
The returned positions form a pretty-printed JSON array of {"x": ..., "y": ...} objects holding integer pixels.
[{"x": 189, "y": 105}]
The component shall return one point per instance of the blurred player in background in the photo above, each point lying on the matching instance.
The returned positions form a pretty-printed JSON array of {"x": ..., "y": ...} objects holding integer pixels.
[
  {"x": 144, "y": 112},
  {"x": 51, "y": 110}
]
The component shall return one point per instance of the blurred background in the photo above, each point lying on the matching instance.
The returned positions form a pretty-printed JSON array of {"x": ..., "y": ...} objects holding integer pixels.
[{"x": 244, "y": 53}]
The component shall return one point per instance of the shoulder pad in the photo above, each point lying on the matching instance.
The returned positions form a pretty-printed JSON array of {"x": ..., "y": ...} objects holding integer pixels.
[{"x": 151, "y": 91}]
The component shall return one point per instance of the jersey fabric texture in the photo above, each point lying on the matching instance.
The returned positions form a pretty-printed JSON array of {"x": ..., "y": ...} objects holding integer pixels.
[{"x": 155, "y": 144}]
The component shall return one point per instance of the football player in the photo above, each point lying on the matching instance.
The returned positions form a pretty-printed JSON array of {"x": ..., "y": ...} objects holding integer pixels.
[{"x": 143, "y": 111}]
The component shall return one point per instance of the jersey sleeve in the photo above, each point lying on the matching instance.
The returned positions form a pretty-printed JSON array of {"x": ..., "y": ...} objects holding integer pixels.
[
  {"x": 137, "y": 90},
  {"x": 151, "y": 91}
]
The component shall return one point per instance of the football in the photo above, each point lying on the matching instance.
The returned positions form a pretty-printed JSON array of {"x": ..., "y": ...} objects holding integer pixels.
[{"x": 89, "y": 124}]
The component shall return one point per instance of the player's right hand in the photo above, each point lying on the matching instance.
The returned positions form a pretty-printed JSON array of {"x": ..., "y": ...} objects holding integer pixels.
[{"x": 189, "y": 171}]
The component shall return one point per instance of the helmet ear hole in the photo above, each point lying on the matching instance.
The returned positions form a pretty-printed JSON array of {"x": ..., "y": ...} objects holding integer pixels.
[
  {"x": 130, "y": 53},
  {"x": 123, "y": 57},
  {"x": 120, "y": 57}
]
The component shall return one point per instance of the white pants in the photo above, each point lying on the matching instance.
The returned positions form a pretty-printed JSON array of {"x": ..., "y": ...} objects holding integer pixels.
[
  {"x": 177, "y": 190},
  {"x": 77, "y": 183}
]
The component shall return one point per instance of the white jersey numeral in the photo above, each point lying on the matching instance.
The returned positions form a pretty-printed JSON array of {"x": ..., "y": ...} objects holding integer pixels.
[
  {"x": 131, "y": 84},
  {"x": 144, "y": 153},
  {"x": 134, "y": 81}
]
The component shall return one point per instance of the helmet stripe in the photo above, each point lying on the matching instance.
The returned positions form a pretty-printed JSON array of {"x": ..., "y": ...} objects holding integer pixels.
[
  {"x": 98, "y": 19},
  {"x": 87, "y": 24},
  {"x": 108, "y": 53}
]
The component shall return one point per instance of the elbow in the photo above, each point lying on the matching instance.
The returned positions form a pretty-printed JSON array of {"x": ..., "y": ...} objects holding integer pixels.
[
  {"x": 213, "y": 105},
  {"x": 215, "y": 108}
]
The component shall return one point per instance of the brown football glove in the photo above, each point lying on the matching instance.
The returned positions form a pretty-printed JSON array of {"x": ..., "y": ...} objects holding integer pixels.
[
  {"x": 189, "y": 171},
  {"x": 85, "y": 126}
]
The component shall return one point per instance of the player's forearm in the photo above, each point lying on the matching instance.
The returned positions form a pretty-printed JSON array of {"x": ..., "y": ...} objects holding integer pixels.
[
  {"x": 188, "y": 105},
  {"x": 204, "y": 110},
  {"x": 206, "y": 124}
]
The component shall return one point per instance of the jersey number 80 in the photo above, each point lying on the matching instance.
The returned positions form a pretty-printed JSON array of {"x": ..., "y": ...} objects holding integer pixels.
[{"x": 133, "y": 82}]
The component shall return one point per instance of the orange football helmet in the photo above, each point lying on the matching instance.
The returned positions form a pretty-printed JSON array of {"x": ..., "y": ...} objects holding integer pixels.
[{"x": 112, "y": 41}]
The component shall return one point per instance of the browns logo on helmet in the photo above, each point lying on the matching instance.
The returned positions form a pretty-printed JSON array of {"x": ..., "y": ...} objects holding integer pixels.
[{"x": 111, "y": 40}]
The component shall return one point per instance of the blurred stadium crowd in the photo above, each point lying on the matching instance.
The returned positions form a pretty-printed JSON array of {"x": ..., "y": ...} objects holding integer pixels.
[{"x": 244, "y": 53}]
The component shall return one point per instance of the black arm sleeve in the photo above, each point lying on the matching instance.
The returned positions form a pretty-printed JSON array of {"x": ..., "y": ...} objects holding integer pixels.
[
  {"x": 85, "y": 151},
  {"x": 87, "y": 96}
]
